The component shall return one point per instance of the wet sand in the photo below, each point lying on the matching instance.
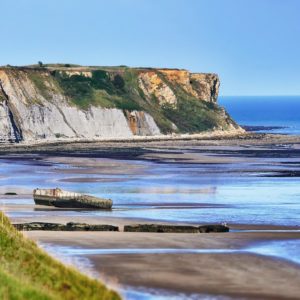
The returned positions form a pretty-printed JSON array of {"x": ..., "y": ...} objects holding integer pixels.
[
  {"x": 122, "y": 240},
  {"x": 233, "y": 274},
  {"x": 131, "y": 149}
]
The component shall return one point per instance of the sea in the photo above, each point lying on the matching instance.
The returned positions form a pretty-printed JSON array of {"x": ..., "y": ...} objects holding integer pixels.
[{"x": 270, "y": 114}]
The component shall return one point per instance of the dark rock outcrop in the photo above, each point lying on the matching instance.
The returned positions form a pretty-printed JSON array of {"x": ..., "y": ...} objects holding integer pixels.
[
  {"x": 213, "y": 228},
  {"x": 90, "y": 227},
  {"x": 64, "y": 227},
  {"x": 175, "y": 228}
]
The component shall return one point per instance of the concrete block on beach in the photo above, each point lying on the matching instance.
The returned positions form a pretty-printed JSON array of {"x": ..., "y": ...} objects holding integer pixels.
[
  {"x": 213, "y": 228},
  {"x": 64, "y": 227},
  {"x": 39, "y": 226},
  {"x": 65, "y": 199},
  {"x": 175, "y": 228},
  {"x": 90, "y": 227}
]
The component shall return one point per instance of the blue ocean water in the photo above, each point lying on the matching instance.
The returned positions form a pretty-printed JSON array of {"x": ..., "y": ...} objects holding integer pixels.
[{"x": 279, "y": 111}]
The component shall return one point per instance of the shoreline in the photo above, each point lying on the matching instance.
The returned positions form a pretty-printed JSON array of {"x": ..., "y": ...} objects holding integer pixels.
[
  {"x": 144, "y": 145},
  {"x": 207, "y": 135}
]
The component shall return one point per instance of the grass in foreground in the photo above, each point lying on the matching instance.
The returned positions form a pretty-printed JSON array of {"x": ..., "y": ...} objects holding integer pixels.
[{"x": 27, "y": 272}]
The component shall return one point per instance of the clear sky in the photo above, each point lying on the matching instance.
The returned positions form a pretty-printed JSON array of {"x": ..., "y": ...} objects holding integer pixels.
[{"x": 254, "y": 45}]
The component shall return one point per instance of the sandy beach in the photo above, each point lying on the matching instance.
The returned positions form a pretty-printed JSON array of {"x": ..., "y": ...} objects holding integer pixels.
[{"x": 236, "y": 274}]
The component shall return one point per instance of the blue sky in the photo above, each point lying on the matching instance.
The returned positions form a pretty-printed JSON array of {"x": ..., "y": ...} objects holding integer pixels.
[{"x": 254, "y": 45}]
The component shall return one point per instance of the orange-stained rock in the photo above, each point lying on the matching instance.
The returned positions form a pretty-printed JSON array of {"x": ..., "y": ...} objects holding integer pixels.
[
  {"x": 152, "y": 84},
  {"x": 141, "y": 123},
  {"x": 204, "y": 86},
  {"x": 161, "y": 84}
]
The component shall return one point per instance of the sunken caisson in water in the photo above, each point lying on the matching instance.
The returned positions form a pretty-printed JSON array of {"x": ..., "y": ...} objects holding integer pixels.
[{"x": 65, "y": 199}]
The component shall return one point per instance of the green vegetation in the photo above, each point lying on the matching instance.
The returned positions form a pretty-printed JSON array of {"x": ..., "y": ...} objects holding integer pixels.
[
  {"x": 39, "y": 82},
  {"x": 46, "y": 85},
  {"x": 27, "y": 272},
  {"x": 59, "y": 135},
  {"x": 100, "y": 90},
  {"x": 2, "y": 97},
  {"x": 192, "y": 115}
]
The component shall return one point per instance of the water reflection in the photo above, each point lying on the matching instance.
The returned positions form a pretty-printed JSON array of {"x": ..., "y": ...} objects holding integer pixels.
[
  {"x": 283, "y": 249},
  {"x": 201, "y": 193}
]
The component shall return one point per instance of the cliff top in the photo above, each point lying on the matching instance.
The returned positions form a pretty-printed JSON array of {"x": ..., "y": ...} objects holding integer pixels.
[{"x": 80, "y": 68}]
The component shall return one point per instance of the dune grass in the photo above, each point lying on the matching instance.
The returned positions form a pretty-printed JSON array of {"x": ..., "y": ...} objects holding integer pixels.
[{"x": 27, "y": 272}]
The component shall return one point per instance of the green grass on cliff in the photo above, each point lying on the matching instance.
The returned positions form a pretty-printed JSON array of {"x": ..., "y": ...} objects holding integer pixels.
[
  {"x": 192, "y": 115},
  {"x": 27, "y": 272},
  {"x": 100, "y": 90}
]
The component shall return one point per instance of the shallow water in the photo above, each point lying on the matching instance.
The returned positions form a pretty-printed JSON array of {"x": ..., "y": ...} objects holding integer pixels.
[
  {"x": 156, "y": 294},
  {"x": 201, "y": 193},
  {"x": 283, "y": 249}
]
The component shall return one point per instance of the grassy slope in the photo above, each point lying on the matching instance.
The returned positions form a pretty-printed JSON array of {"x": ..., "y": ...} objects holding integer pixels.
[{"x": 27, "y": 272}]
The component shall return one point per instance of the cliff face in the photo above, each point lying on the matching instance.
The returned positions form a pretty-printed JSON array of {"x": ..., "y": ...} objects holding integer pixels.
[{"x": 56, "y": 102}]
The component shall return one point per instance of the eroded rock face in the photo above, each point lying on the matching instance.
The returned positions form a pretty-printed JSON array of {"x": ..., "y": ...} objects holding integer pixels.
[
  {"x": 6, "y": 128},
  {"x": 203, "y": 86},
  {"x": 151, "y": 84},
  {"x": 81, "y": 73},
  {"x": 141, "y": 123},
  {"x": 29, "y": 115}
]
